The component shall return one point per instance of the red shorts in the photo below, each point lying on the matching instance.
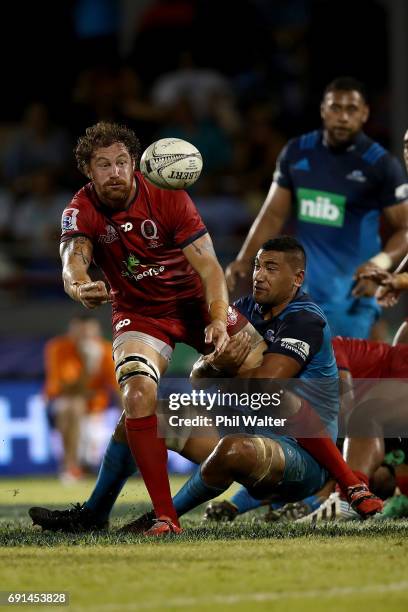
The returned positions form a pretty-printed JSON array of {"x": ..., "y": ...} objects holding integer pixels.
[{"x": 188, "y": 327}]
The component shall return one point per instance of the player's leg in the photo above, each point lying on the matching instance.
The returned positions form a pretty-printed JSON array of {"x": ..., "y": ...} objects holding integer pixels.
[
  {"x": 249, "y": 460},
  {"x": 138, "y": 368},
  {"x": 68, "y": 415}
]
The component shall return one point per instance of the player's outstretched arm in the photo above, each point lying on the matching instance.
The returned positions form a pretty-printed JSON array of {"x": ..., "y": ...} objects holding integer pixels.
[
  {"x": 202, "y": 257},
  {"x": 76, "y": 256},
  {"x": 268, "y": 224}
]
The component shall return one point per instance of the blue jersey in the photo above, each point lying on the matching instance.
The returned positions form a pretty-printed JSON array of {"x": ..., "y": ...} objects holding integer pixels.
[
  {"x": 301, "y": 331},
  {"x": 339, "y": 196}
]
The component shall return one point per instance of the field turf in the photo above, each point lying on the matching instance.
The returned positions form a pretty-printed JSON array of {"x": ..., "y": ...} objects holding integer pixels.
[{"x": 247, "y": 565}]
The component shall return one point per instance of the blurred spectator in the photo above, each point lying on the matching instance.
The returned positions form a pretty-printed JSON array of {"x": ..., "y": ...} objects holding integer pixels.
[
  {"x": 36, "y": 220},
  {"x": 38, "y": 146},
  {"x": 79, "y": 381},
  {"x": 210, "y": 139}
]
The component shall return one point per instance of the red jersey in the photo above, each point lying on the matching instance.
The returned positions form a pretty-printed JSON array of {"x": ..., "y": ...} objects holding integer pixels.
[
  {"x": 369, "y": 359},
  {"x": 139, "y": 249}
]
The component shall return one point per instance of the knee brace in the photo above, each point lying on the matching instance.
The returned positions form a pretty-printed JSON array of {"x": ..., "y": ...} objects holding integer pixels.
[
  {"x": 265, "y": 449},
  {"x": 136, "y": 365}
]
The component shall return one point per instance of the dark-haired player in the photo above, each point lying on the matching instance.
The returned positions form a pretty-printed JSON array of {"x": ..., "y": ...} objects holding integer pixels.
[
  {"x": 166, "y": 286},
  {"x": 336, "y": 182},
  {"x": 296, "y": 345}
]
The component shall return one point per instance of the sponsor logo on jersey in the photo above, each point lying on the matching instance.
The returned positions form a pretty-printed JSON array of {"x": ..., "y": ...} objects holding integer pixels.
[
  {"x": 357, "y": 176},
  {"x": 232, "y": 316},
  {"x": 69, "y": 220},
  {"x": 122, "y": 323},
  {"x": 401, "y": 192},
  {"x": 269, "y": 335},
  {"x": 127, "y": 227},
  {"x": 321, "y": 207},
  {"x": 302, "y": 164},
  {"x": 299, "y": 347},
  {"x": 150, "y": 233},
  {"x": 110, "y": 236},
  {"x": 137, "y": 270}
]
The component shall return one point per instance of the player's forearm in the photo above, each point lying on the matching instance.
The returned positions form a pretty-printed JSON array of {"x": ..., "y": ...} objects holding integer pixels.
[
  {"x": 400, "y": 281},
  {"x": 76, "y": 256},
  {"x": 215, "y": 290},
  {"x": 397, "y": 247}
]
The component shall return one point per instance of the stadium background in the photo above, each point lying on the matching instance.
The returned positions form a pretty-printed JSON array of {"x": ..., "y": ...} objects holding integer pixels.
[{"x": 138, "y": 62}]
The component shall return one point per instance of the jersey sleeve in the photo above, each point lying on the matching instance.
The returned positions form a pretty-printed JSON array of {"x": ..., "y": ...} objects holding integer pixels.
[
  {"x": 77, "y": 220},
  {"x": 282, "y": 174},
  {"x": 184, "y": 217},
  {"x": 340, "y": 353},
  {"x": 300, "y": 336},
  {"x": 394, "y": 189}
]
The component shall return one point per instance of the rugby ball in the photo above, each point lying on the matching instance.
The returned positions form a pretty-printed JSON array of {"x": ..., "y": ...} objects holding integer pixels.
[{"x": 171, "y": 163}]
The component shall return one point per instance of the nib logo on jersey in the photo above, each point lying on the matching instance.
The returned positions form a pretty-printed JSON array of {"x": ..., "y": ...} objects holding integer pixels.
[
  {"x": 321, "y": 207},
  {"x": 137, "y": 270}
]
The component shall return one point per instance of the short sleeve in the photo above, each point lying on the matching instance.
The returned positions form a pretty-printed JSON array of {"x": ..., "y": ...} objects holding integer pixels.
[
  {"x": 186, "y": 222},
  {"x": 340, "y": 353},
  {"x": 77, "y": 221},
  {"x": 282, "y": 174},
  {"x": 299, "y": 336},
  {"x": 394, "y": 188}
]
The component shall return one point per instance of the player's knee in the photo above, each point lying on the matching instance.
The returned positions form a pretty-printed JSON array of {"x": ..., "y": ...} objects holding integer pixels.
[
  {"x": 233, "y": 454},
  {"x": 139, "y": 397}
]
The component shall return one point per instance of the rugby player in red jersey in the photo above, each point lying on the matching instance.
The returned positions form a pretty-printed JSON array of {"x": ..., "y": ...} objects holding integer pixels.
[{"x": 165, "y": 285}]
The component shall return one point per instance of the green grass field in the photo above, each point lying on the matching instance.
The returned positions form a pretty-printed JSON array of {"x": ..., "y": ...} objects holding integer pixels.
[{"x": 247, "y": 565}]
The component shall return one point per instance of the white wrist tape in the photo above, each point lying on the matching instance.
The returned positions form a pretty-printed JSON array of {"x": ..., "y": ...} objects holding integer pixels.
[{"x": 382, "y": 260}]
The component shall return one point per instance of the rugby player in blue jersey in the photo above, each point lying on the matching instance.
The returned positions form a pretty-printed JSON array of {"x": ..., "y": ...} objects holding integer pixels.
[{"x": 336, "y": 182}]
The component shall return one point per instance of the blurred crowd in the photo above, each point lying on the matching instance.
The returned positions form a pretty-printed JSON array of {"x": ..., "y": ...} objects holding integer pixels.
[{"x": 169, "y": 73}]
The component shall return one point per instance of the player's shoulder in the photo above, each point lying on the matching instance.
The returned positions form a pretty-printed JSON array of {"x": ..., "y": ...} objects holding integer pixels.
[
  {"x": 302, "y": 306},
  {"x": 245, "y": 305},
  {"x": 372, "y": 152},
  {"x": 304, "y": 142},
  {"x": 83, "y": 198}
]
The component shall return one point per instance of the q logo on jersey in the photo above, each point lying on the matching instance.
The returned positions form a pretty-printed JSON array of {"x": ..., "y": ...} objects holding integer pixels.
[
  {"x": 150, "y": 233},
  {"x": 69, "y": 220}
]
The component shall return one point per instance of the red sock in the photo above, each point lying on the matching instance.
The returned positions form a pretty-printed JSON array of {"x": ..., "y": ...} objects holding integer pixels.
[
  {"x": 321, "y": 446},
  {"x": 328, "y": 455},
  {"x": 150, "y": 454}
]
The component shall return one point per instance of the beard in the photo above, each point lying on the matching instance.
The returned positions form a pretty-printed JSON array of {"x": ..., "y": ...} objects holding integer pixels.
[{"x": 116, "y": 194}]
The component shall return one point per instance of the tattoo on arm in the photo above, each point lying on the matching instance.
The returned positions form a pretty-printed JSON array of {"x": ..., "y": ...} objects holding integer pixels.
[
  {"x": 205, "y": 245},
  {"x": 78, "y": 250}
]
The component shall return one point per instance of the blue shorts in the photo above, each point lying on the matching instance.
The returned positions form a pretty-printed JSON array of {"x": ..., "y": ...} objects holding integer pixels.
[{"x": 303, "y": 475}]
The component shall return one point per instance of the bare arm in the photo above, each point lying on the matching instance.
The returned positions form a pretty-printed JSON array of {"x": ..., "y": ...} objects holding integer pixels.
[
  {"x": 201, "y": 256},
  {"x": 394, "y": 250},
  {"x": 76, "y": 256},
  {"x": 274, "y": 366},
  {"x": 269, "y": 222}
]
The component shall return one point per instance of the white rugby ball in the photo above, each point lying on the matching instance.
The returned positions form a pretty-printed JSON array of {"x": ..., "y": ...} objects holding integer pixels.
[{"x": 171, "y": 163}]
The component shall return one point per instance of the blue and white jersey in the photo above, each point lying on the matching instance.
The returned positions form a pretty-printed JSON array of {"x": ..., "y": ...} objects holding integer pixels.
[
  {"x": 339, "y": 196},
  {"x": 301, "y": 331}
]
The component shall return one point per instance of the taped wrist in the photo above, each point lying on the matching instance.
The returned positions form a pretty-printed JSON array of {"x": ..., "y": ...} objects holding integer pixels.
[{"x": 218, "y": 309}]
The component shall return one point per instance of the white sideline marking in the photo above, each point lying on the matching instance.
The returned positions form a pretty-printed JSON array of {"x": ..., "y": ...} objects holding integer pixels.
[{"x": 190, "y": 602}]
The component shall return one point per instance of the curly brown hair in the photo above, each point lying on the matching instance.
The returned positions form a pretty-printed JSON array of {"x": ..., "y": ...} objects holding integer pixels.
[{"x": 105, "y": 134}]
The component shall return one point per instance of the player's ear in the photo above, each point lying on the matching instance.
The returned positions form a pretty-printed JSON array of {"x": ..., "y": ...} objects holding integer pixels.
[
  {"x": 322, "y": 109},
  {"x": 299, "y": 278},
  {"x": 87, "y": 172},
  {"x": 366, "y": 113}
]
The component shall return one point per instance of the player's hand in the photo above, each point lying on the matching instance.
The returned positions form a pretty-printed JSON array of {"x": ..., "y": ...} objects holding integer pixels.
[
  {"x": 233, "y": 355},
  {"x": 365, "y": 287},
  {"x": 216, "y": 332},
  {"x": 93, "y": 294},
  {"x": 387, "y": 296},
  {"x": 379, "y": 276},
  {"x": 236, "y": 269}
]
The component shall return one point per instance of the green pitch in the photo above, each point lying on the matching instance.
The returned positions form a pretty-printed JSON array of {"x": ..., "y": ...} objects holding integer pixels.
[{"x": 247, "y": 565}]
